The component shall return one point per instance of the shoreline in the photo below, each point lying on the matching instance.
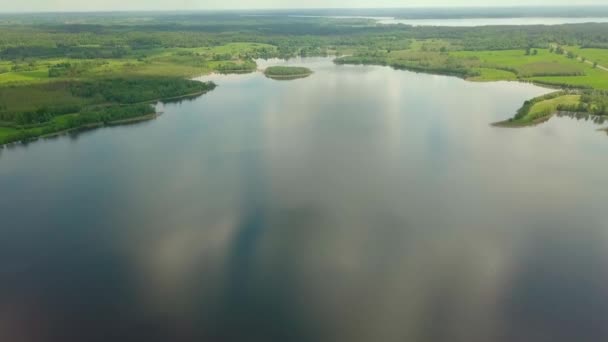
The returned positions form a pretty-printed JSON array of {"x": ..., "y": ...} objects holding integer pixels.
[
  {"x": 284, "y": 73},
  {"x": 287, "y": 77},
  {"x": 515, "y": 124},
  {"x": 90, "y": 126},
  {"x": 137, "y": 119},
  {"x": 500, "y": 124},
  {"x": 538, "y": 121}
]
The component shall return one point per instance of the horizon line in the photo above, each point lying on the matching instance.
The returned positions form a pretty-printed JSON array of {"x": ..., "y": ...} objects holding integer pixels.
[{"x": 301, "y": 9}]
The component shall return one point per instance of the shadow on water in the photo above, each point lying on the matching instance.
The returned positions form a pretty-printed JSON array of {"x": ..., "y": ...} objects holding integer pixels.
[
  {"x": 49, "y": 295},
  {"x": 183, "y": 99},
  {"x": 254, "y": 307},
  {"x": 596, "y": 119},
  {"x": 560, "y": 291}
]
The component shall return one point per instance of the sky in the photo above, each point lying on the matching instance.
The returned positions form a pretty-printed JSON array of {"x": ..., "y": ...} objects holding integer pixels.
[{"x": 126, "y": 5}]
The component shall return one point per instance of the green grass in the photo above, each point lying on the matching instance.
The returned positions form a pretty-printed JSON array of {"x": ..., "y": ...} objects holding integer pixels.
[
  {"x": 541, "y": 65},
  {"x": 6, "y": 132},
  {"x": 594, "y": 78},
  {"x": 240, "y": 48},
  {"x": 431, "y": 57},
  {"x": 594, "y": 55},
  {"x": 542, "y": 110},
  {"x": 489, "y": 75},
  {"x": 552, "y": 68},
  {"x": 164, "y": 67},
  {"x": 30, "y": 98},
  {"x": 549, "y": 107},
  {"x": 545, "y": 67},
  {"x": 431, "y": 44},
  {"x": 24, "y": 77},
  {"x": 525, "y": 65},
  {"x": 59, "y": 123}
]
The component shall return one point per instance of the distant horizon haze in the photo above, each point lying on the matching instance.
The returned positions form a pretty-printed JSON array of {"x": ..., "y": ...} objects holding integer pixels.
[{"x": 32, "y": 6}]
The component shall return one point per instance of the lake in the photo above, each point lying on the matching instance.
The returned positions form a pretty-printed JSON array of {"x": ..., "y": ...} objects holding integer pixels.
[
  {"x": 358, "y": 204},
  {"x": 471, "y": 22}
]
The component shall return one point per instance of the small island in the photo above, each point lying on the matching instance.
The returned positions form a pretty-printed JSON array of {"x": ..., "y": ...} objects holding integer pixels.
[{"x": 287, "y": 73}]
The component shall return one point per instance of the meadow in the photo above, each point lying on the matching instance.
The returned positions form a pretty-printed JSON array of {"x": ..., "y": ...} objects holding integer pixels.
[{"x": 536, "y": 112}]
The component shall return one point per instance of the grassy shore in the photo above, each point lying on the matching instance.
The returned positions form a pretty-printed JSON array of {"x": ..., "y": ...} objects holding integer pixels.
[
  {"x": 547, "y": 67},
  {"x": 79, "y": 104},
  {"x": 538, "y": 111}
]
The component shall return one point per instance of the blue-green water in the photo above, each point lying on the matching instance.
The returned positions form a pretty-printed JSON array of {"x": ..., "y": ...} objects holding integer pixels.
[{"x": 359, "y": 204}]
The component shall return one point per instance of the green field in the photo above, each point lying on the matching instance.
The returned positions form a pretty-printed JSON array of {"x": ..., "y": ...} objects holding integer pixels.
[
  {"x": 594, "y": 78},
  {"x": 541, "y": 65},
  {"x": 526, "y": 66},
  {"x": 31, "y": 98},
  {"x": 541, "y": 109},
  {"x": 593, "y": 55},
  {"x": 548, "y": 107},
  {"x": 490, "y": 75},
  {"x": 6, "y": 132}
]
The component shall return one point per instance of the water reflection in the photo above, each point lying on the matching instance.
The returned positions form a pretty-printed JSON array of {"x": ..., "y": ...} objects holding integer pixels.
[
  {"x": 472, "y": 22},
  {"x": 596, "y": 119},
  {"x": 358, "y": 204}
]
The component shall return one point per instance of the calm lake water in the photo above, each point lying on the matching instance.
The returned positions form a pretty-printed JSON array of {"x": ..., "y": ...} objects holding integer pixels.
[
  {"x": 472, "y": 22},
  {"x": 359, "y": 204},
  {"x": 492, "y": 21}
]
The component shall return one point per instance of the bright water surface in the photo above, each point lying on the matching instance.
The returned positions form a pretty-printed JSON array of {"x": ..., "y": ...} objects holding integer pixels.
[
  {"x": 471, "y": 22},
  {"x": 492, "y": 21},
  {"x": 359, "y": 204}
]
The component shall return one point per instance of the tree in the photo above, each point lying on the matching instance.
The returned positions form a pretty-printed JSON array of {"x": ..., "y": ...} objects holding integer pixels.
[
  {"x": 594, "y": 65},
  {"x": 535, "y": 52},
  {"x": 528, "y": 51}
]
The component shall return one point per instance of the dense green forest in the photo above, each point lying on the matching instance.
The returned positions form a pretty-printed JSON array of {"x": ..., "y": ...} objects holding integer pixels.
[
  {"x": 70, "y": 66},
  {"x": 290, "y": 35}
]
